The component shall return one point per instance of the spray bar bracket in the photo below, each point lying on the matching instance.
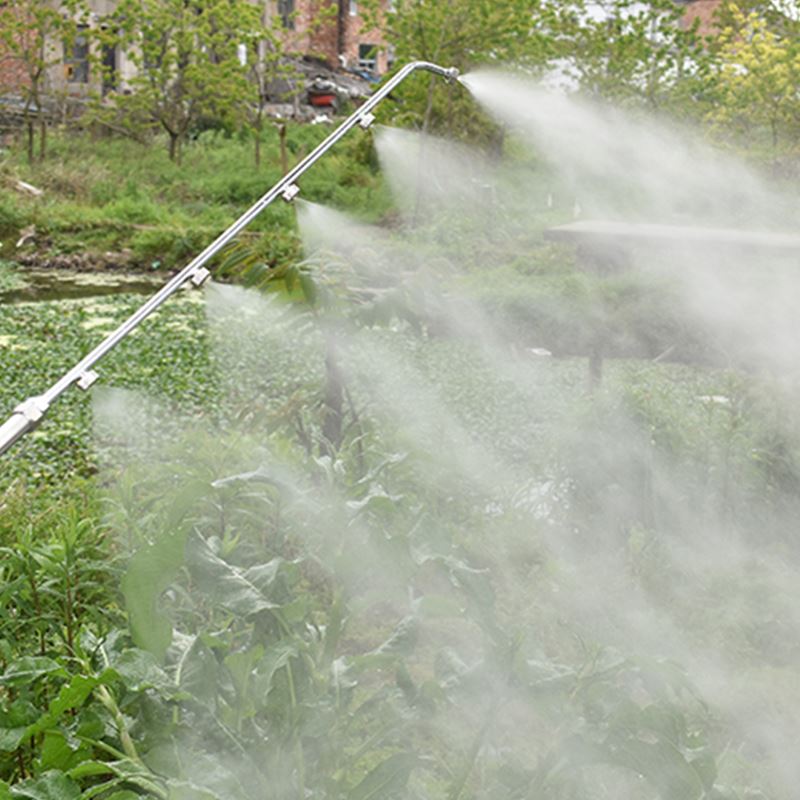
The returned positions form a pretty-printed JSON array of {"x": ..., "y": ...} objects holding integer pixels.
[
  {"x": 87, "y": 380},
  {"x": 290, "y": 192},
  {"x": 29, "y": 413}
]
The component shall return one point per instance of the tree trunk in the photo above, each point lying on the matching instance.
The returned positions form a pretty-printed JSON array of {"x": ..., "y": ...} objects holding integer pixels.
[
  {"x": 174, "y": 147},
  {"x": 42, "y": 137},
  {"x": 257, "y": 151},
  {"x": 31, "y": 135},
  {"x": 284, "y": 153}
]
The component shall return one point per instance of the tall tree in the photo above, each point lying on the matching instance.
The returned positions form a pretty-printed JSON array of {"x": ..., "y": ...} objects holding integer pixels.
[
  {"x": 186, "y": 55},
  {"x": 756, "y": 85},
  {"x": 464, "y": 34},
  {"x": 629, "y": 51},
  {"x": 633, "y": 52},
  {"x": 35, "y": 37},
  {"x": 264, "y": 64},
  {"x": 268, "y": 73}
]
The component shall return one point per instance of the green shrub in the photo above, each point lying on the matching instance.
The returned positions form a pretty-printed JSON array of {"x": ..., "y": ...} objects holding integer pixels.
[
  {"x": 140, "y": 211},
  {"x": 167, "y": 247},
  {"x": 11, "y": 218}
]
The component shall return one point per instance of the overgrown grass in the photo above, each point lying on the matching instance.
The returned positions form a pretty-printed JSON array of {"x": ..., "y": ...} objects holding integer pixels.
[{"x": 114, "y": 194}]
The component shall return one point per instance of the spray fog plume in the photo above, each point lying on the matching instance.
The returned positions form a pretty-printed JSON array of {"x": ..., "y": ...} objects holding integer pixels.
[{"x": 418, "y": 558}]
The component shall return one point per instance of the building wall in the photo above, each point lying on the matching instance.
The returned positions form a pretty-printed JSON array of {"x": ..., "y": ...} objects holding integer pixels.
[
  {"x": 335, "y": 31},
  {"x": 704, "y": 11},
  {"x": 71, "y": 80},
  {"x": 358, "y": 35},
  {"x": 12, "y": 71}
]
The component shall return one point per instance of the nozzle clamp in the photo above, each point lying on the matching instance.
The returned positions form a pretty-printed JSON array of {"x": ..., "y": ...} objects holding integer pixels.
[{"x": 32, "y": 409}]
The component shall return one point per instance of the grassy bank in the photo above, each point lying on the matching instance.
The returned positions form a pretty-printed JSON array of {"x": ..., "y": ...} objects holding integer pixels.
[{"x": 113, "y": 201}]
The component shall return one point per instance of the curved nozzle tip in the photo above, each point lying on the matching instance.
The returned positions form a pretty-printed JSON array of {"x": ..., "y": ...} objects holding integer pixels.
[{"x": 452, "y": 74}]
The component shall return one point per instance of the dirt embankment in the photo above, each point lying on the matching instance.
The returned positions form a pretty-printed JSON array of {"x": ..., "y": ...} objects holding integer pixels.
[{"x": 78, "y": 262}]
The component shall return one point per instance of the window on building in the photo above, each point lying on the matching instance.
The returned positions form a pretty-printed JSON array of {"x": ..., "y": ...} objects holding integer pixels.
[
  {"x": 109, "y": 56},
  {"x": 368, "y": 57},
  {"x": 286, "y": 11},
  {"x": 76, "y": 58},
  {"x": 353, "y": 8}
]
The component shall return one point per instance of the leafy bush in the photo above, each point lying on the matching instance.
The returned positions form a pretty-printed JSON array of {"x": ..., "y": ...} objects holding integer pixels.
[{"x": 11, "y": 218}]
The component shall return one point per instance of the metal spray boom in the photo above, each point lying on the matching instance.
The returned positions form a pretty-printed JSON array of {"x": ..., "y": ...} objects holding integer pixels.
[{"x": 28, "y": 413}]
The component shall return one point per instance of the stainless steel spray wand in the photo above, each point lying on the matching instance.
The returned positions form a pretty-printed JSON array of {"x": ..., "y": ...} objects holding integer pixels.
[{"x": 27, "y": 414}]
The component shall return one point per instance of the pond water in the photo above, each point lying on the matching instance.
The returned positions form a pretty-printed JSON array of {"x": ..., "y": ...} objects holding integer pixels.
[{"x": 58, "y": 284}]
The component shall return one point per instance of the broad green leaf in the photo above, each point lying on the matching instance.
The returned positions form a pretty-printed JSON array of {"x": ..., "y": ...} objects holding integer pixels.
[
  {"x": 71, "y": 696},
  {"x": 309, "y": 287},
  {"x": 403, "y": 639},
  {"x": 150, "y": 572},
  {"x": 198, "y": 672},
  {"x": 125, "y": 770},
  {"x": 183, "y": 501},
  {"x": 139, "y": 670},
  {"x": 261, "y": 475},
  {"x": 661, "y": 763},
  {"x": 90, "y": 769},
  {"x": 52, "y": 785},
  {"x": 227, "y": 583},
  {"x": 263, "y": 576},
  {"x": 56, "y": 752},
  {"x": 400, "y": 643},
  {"x": 439, "y": 605},
  {"x": 10, "y": 738},
  {"x": 29, "y": 669},
  {"x": 5, "y": 792},
  {"x": 14, "y": 723},
  {"x": 277, "y": 657},
  {"x": 706, "y": 767},
  {"x": 389, "y": 777},
  {"x": 241, "y": 668}
]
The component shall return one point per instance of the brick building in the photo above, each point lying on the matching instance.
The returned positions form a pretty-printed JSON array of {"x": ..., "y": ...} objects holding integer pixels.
[
  {"x": 70, "y": 72},
  {"x": 12, "y": 71},
  {"x": 335, "y": 31},
  {"x": 332, "y": 30},
  {"x": 704, "y": 12}
]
